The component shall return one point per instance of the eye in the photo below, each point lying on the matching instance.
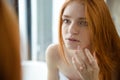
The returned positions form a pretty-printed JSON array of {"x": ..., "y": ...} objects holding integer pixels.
[
  {"x": 66, "y": 21},
  {"x": 83, "y": 23}
]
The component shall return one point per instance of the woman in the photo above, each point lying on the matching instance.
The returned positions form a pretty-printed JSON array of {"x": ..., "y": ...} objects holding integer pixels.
[
  {"x": 10, "y": 67},
  {"x": 89, "y": 45}
]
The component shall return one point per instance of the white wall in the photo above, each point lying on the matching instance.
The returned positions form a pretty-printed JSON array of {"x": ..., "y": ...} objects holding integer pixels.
[
  {"x": 23, "y": 29},
  {"x": 34, "y": 70},
  {"x": 116, "y": 14},
  {"x": 56, "y": 10}
]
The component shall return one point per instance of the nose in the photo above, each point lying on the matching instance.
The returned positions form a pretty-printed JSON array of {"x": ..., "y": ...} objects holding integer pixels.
[{"x": 73, "y": 28}]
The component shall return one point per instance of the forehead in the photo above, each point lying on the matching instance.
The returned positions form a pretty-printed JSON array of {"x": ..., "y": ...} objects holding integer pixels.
[{"x": 75, "y": 9}]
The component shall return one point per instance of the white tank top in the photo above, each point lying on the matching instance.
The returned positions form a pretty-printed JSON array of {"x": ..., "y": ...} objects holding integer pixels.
[{"x": 62, "y": 77}]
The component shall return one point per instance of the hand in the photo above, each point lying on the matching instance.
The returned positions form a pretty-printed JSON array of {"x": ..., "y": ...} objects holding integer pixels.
[{"x": 85, "y": 64}]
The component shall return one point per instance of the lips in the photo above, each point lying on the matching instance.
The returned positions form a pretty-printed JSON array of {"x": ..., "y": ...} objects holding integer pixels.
[{"x": 73, "y": 40}]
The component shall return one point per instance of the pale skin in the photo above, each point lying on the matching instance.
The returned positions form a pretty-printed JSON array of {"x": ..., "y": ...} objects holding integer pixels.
[{"x": 82, "y": 64}]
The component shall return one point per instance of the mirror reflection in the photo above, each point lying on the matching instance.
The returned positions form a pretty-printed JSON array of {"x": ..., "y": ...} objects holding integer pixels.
[{"x": 38, "y": 27}]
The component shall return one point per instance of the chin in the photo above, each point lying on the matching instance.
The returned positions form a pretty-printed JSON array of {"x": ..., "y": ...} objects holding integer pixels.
[{"x": 72, "y": 47}]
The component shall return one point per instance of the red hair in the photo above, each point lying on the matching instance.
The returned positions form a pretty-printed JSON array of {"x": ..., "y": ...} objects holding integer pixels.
[
  {"x": 104, "y": 37},
  {"x": 10, "y": 66}
]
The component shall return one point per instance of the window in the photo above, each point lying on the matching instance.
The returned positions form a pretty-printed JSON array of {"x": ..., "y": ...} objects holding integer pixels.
[
  {"x": 36, "y": 28},
  {"x": 39, "y": 24}
]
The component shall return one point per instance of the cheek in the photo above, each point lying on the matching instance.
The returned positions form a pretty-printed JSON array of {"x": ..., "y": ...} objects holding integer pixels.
[
  {"x": 86, "y": 38},
  {"x": 85, "y": 41},
  {"x": 64, "y": 30}
]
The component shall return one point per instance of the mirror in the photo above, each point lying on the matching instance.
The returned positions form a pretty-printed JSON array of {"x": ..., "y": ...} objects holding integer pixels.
[{"x": 38, "y": 21}]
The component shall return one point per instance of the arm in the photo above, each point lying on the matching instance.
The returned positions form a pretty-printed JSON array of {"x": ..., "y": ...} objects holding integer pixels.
[{"x": 51, "y": 59}]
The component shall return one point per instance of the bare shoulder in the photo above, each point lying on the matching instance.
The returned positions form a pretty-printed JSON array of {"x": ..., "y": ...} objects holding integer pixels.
[
  {"x": 52, "y": 59},
  {"x": 52, "y": 53}
]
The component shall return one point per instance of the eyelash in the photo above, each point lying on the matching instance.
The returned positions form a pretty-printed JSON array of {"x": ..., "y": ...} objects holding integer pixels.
[
  {"x": 81, "y": 23},
  {"x": 66, "y": 21}
]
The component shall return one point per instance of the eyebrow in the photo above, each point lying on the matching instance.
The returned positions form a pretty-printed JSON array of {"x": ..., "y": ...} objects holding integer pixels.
[{"x": 67, "y": 16}]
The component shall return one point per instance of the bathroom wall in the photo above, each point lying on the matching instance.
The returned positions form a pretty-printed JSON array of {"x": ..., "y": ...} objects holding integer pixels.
[{"x": 115, "y": 12}]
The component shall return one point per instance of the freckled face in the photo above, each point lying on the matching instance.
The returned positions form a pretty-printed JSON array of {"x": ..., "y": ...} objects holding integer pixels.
[{"x": 74, "y": 26}]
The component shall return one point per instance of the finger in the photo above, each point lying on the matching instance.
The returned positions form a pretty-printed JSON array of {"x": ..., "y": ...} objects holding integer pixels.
[
  {"x": 76, "y": 65},
  {"x": 91, "y": 59},
  {"x": 79, "y": 55},
  {"x": 95, "y": 57},
  {"x": 92, "y": 64},
  {"x": 80, "y": 75},
  {"x": 79, "y": 69}
]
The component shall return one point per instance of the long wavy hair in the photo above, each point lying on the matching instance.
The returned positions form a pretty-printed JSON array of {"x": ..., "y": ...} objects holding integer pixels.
[
  {"x": 10, "y": 66},
  {"x": 104, "y": 37}
]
